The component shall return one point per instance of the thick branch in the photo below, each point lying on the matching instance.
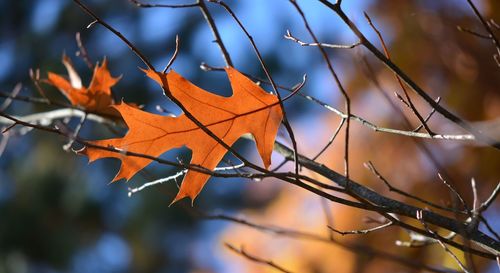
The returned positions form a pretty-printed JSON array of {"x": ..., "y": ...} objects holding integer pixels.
[
  {"x": 392, "y": 205},
  {"x": 379, "y": 202}
]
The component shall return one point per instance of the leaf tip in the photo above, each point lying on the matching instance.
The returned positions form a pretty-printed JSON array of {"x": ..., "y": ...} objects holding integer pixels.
[
  {"x": 104, "y": 62},
  {"x": 88, "y": 153},
  {"x": 177, "y": 198},
  {"x": 181, "y": 195},
  {"x": 267, "y": 163},
  {"x": 116, "y": 178},
  {"x": 123, "y": 173},
  {"x": 145, "y": 70}
]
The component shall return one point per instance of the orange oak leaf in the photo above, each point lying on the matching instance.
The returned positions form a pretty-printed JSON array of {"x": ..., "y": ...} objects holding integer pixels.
[
  {"x": 249, "y": 110},
  {"x": 96, "y": 97}
]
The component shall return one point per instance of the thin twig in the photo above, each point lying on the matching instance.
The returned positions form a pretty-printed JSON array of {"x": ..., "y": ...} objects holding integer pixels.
[
  {"x": 420, "y": 240},
  {"x": 428, "y": 117},
  {"x": 290, "y": 37},
  {"x": 35, "y": 77},
  {"x": 330, "y": 141},
  {"x": 356, "y": 248},
  {"x": 67, "y": 146},
  {"x": 397, "y": 207},
  {"x": 131, "y": 191},
  {"x": 288, "y": 177},
  {"x": 370, "y": 74},
  {"x": 478, "y": 208},
  {"x": 455, "y": 192},
  {"x": 117, "y": 33},
  {"x": 147, "y": 5},
  {"x": 82, "y": 51},
  {"x": 361, "y": 231},
  {"x": 168, "y": 93},
  {"x": 494, "y": 24},
  {"x": 215, "y": 32},
  {"x": 13, "y": 94},
  {"x": 489, "y": 227},
  {"x": 339, "y": 85},
  {"x": 494, "y": 194},
  {"x": 279, "y": 166},
  {"x": 466, "y": 30},
  {"x": 487, "y": 27},
  {"x": 408, "y": 99},
  {"x": 174, "y": 56},
  {"x": 256, "y": 259},
  {"x": 268, "y": 75},
  {"x": 33, "y": 100},
  {"x": 460, "y": 264},
  {"x": 382, "y": 203},
  {"x": 475, "y": 198},
  {"x": 440, "y": 109},
  {"x": 369, "y": 165},
  {"x": 46, "y": 118},
  {"x": 362, "y": 121}
]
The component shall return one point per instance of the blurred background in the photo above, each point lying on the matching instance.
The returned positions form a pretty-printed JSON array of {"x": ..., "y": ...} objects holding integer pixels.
[{"x": 59, "y": 214}]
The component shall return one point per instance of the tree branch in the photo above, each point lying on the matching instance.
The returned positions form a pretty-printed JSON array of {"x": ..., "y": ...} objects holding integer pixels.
[
  {"x": 241, "y": 251},
  {"x": 392, "y": 66}
]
